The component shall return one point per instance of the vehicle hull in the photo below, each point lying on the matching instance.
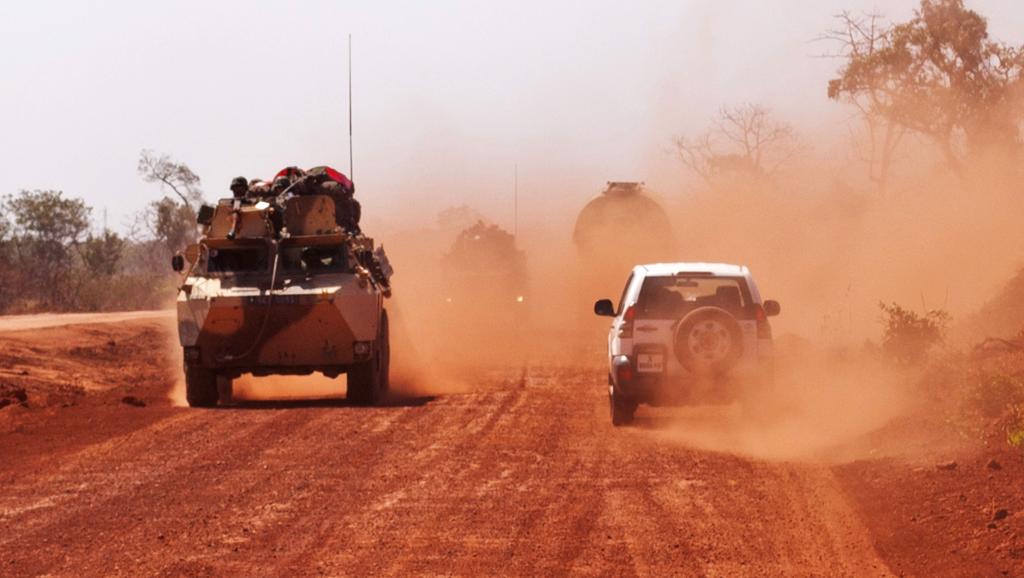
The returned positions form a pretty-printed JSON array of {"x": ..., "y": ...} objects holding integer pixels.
[{"x": 297, "y": 332}]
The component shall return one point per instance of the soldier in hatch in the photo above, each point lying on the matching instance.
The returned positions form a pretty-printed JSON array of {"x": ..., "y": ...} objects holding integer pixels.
[
  {"x": 239, "y": 191},
  {"x": 239, "y": 187},
  {"x": 258, "y": 190}
]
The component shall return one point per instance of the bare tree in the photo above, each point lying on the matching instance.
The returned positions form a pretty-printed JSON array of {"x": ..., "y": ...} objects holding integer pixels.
[
  {"x": 174, "y": 175},
  {"x": 172, "y": 224},
  {"x": 745, "y": 140},
  {"x": 858, "y": 39}
]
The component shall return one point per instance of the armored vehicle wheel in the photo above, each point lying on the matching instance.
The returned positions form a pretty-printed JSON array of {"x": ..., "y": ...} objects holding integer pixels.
[
  {"x": 225, "y": 388},
  {"x": 368, "y": 381},
  {"x": 385, "y": 348},
  {"x": 200, "y": 387}
]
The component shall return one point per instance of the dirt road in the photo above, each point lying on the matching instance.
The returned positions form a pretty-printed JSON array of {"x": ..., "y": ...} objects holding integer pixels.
[
  {"x": 44, "y": 320},
  {"x": 523, "y": 476}
]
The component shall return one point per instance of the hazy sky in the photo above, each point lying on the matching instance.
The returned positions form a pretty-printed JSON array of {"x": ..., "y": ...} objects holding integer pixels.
[{"x": 449, "y": 95}]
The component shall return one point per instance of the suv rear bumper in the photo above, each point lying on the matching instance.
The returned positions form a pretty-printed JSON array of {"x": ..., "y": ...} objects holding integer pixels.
[{"x": 684, "y": 388}]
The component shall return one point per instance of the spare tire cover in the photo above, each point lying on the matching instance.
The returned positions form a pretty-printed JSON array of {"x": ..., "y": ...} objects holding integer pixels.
[{"x": 708, "y": 341}]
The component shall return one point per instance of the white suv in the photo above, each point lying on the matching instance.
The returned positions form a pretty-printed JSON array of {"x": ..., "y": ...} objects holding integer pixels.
[{"x": 685, "y": 333}]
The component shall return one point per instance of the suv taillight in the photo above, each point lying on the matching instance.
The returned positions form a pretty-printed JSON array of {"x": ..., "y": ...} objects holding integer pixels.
[
  {"x": 624, "y": 371},
  {"x": 764, "y": 330},
  {"x": 626, "y": 330}
]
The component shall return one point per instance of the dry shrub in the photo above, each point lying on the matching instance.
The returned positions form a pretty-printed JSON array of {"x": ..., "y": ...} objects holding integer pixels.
[
  {"x": 908, "y": 336},
  {"x": 981, "y": 395},
  {"x": 125, "y": 292}
]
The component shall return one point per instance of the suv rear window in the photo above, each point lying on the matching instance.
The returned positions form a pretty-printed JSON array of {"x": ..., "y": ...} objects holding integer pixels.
[{"x": 675, "y": 296}]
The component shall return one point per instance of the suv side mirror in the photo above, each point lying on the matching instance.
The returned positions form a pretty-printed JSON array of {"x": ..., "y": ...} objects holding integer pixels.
[
  {"x": 205, "y": 215},
  {"x": 178, "y": 263},
  {"x": 604, "y": 308},
  {"x": 772, "y": 308}
]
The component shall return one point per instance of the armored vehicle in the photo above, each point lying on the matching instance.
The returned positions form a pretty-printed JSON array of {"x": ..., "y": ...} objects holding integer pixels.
[
  {"x": 485, "y": 289},
  {"x": 279, "y": 286}
]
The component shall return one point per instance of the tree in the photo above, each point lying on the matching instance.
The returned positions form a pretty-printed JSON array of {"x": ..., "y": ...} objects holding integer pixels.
[
  {"x": 102, "y": 254},
  {"x": 745, "y": 141},
  {"x": 860, "y": 38},
  {"x": 47, "y": 229},
  {"x": 7, "y": 272},
  {"x": 173, "y": 224},
  {"x": 174, "y": 175},
  {"x": 937, "y": 74}
]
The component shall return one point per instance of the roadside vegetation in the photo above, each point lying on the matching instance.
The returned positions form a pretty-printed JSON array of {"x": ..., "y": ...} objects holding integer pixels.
[
  {"x": 54, "y": 256},
  {"x": 977, "y": 390}
]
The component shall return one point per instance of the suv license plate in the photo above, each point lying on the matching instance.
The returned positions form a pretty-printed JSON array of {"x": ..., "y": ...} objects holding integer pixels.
[{"x": 650, "y": 363}]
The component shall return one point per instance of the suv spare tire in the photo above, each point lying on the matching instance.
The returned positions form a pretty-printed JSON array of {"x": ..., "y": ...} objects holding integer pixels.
[{"x": 708, "y": 341}]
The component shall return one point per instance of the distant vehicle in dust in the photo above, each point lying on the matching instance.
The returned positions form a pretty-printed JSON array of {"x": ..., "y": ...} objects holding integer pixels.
[
  {"x": 686, "y": 333},
  {"x": 622, "y": 226},
  {"x": 485, "y": 285},
  {"x": 284, "y": 282}
]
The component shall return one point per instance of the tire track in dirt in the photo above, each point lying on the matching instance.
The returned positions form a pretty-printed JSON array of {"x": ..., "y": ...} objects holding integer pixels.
[
  {"x": 520, "y": 477},
  {"x": 420, "y": 465},
  {"x": 132, "y": 485},
  {"x": 178, "y": 469},
  {"x": 837, "y": 541},
  {"x": 255, "y": 530}
]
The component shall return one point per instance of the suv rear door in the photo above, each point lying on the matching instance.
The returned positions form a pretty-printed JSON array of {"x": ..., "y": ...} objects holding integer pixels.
[{"x": 663, "y": 301}]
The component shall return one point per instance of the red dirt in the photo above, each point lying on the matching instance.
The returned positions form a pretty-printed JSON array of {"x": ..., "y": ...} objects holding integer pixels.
[
  {"x": 939, "y": 520},
  {"x": 520, "y": 476}
]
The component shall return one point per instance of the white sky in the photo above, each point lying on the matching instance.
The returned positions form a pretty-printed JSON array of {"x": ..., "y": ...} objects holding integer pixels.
[{"x": 449, "y": 95}]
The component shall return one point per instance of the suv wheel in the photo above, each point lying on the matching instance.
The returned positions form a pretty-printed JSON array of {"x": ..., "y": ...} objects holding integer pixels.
[
  {"x": 622, "y": 410},
  {"x": 200, "y": 386}
]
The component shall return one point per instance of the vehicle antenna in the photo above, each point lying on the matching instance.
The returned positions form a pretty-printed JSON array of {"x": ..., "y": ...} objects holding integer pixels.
[
  {"x": 351, "y": 168},
  {"x": 515, "y": 201}
]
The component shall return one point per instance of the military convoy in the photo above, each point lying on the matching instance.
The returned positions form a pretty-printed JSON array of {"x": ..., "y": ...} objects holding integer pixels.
[{"x": 283, "y": 282}]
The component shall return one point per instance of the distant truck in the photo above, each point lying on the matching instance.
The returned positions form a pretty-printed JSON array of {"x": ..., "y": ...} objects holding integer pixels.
[
  {"x": 277, "y": 286},
  {"x": 622, "y": 226}
]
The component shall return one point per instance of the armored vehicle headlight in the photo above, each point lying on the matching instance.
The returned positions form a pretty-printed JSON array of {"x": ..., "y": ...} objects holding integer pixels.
[{"x": 361, "y": 348}]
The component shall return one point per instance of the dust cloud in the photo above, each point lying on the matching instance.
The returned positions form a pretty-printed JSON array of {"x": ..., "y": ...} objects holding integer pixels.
[
  {"x": 174, "y": 356},
  {"x": 821, "y": 408},
  {"x": 827, "y": 249},
  {"x": 819, "y": 237},
  {"x": 830, "y": 247}
]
